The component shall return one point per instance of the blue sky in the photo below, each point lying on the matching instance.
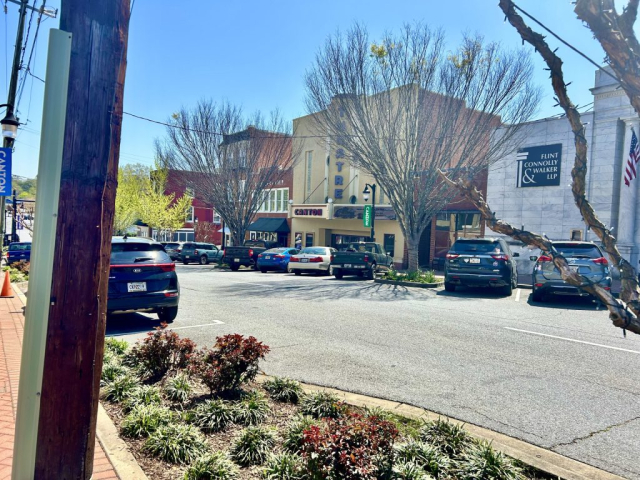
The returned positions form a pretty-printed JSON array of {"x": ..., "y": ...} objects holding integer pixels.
[{"x": 254, "y": 53}]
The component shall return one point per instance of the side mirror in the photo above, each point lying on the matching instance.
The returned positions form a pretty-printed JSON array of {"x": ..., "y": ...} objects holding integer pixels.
[
  {"x": 516, "y": 254},
  {"x": 533, "y": 258}
]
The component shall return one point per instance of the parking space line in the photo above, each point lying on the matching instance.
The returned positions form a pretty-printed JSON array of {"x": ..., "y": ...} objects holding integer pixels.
[
  {"x": 215, "y": 322},
  {"x": 572, "y": 340},
  {"x": 517, "y": 294}
]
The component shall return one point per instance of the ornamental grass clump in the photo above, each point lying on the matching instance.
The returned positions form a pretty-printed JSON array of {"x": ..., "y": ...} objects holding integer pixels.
[
  {"x": 322, "y": 405},
  {"x": 176, "y": 443},
  {"x": 143, "y": 420},
  {"x": 410, "y": 471},
  {"x": 482, "y": 462},
  {"x": 253, "y": 446},
  {"x": 426, "y": 456},
  {"x": 294, "y": 434},
  {"x": 252, "y": 409},
  {"x": 212, "y": 466},
  {"x": 115, "y": 346},
  {"x": 112, "y": 370},
  {"x": 120, "y": 388},
  {"x": 142, "y": 395},
  {"x": 284, "y": 466},
  {"x": 283, "y": 389},
  {"x": 161, "y": 351},
  {"x": 178, "y": 388},
  {"x": 232, "y": 362},
  {"x": 450, "y": 438},
  {"x": 212, "y": 415}
]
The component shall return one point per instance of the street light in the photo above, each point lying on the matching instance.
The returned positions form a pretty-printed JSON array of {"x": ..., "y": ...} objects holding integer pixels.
[
  {"x": 365, "y": 195},
  {"x": 9, "y": 125}
]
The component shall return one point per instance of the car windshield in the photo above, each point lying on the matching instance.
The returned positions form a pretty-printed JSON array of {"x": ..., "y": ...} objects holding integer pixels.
[
  {"x": 360, "y": 247},
  {"x": 125, "y": 253},
  {"x": 19, "y": 247},
  {"x": 172, "y": 245},
  {"x": 475, "y": 247},
  {"x": 276, "y": 250},
  {"x": 314, "y": 251},
  {"x": 578, "y": 250}
]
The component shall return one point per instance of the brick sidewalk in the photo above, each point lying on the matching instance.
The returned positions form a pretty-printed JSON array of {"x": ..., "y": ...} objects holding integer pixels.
[{"x": 11, "y": 328}]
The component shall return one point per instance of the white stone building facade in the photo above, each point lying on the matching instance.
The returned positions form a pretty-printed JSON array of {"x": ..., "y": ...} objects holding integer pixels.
[{"x": 522, "y": 197}]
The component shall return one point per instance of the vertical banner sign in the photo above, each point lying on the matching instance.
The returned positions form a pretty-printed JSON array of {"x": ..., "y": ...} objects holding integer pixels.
[
  {"x": 5, "y": 172},
  {"x": 366, "y": 216},
  {"x": 539, "y": 166}
]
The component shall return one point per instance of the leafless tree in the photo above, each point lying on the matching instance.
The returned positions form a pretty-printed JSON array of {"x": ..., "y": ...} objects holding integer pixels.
[
  {"x": 230, "y": 160},
  {"x": 407, "y": 106},
  {"x": 616, "y": 35}
]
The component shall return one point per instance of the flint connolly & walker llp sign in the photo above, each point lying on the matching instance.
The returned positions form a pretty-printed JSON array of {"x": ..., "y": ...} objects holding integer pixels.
[{"x": 539, "y": 166}]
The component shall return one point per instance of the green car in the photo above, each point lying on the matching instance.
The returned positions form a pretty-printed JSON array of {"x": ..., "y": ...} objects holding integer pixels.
[{"x": 203, "y": 253}]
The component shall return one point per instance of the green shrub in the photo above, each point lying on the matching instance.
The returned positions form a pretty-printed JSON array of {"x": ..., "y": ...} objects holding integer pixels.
[
  {"x": 252, "y": 409},
  {"x": 143, "y": 420},
  {"x": 283, "y": 389},
  {"x": 120, "y": 388},
  {"x": 253, "y": 446},
  {"x": 450, "y": 438},
  {"x": 115, "y": 346},
  {"x": 213, "y": 466},
  {"x": 284, "y": 466},
  {"x": 322, "y": 405},
  {"x": 176, "y": 443},
  {"x": 212, "y": 415},
  {"x": 409, "y": 471},
  {"x": 416, "y": 276},
  {"x": 482, "y": 462},
  {"x": 294, "y": 434},
  {"x": 426, "y": 456},
  {"x": 143, "y": 395},
  {"x": 111, "y": 371},
  {"x": 161, "y": 351},
  {"x": 178, "y": 388}
]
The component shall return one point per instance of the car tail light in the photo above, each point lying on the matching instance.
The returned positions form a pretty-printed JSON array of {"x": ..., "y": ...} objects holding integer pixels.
[
  {"x": 171, "y": 294},
  {"x": 195, "y": 252},
  {"x": 538, "y": 285},
  {"x": 600, "y": 261},
  {"x": 502, "y": 256},
  {"x": 331, "y": 258},
  {"x": 277, "y": 256},
  {"x": 260, "y": 255},
  {"x": 607, "y": 288},
  {"x": 167, "y": 267},
  {"x": 316, "y": 259},
  {"x": 451, "y": 256},
  {"x": 366, "y": 258},
  {"x": 179, "y": 249},
  {"x": 251, "y": 252},
  {"x": 294, "y": 259},
  {"x": 544, "y": 259}
]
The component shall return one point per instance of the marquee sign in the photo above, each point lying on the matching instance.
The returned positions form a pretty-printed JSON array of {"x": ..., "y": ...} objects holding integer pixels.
[{"x": 539, "y": 166}]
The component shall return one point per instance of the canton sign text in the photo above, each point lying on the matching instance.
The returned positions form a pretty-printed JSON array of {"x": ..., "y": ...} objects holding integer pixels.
[
  {"x": 539, "y": 166},
  {"x": 5, "y": 172}
]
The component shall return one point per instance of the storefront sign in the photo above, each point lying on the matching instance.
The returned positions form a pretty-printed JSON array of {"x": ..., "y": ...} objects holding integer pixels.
[
  {"x": 366, "y": 216},
  {"x": 313, "y": 212},
  {"x": 5, "y": 172},
  {"x": 357, "y": 212},
  {"x": 539, "y": 166}
]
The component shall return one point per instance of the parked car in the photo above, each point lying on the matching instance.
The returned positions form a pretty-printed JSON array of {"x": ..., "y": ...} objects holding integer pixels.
[
  {"x": 481, "y": 262},
  {"x": 312, "y": 260},
  {"x": 247, "y": 255},
  {"x": 142, "y": 278},
  {"x": 173, "y": 249},
  {"x": 275, "y": 259},
  {"x": 361, "y": 259},
  {"x": 19, "y": 252},
  {"x": 203, "y": 253},
  {"x": 585, "y": 258}
]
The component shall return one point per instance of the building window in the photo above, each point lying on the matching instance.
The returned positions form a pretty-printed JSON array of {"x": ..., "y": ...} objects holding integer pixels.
[
  {"x": 309, "y": 165},
  {"x": 190, "y": 216},
  {"x": 189, "y": 191},
  {"x": 216, "y": 217},
  {"x": 308, "y": 242},
  {"x": 276, "y": 201},
  {"x": 389, "y": 244}
]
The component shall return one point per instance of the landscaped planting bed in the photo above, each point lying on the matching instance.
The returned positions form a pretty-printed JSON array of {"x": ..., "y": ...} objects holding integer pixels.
[{"x": 189, "y": 413}]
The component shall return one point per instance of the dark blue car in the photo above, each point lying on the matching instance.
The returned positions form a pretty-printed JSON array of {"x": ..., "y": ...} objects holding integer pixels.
[
  {"x": 275, "y": 259},
  {"x": 19, "y": 252},
  {"x": 142, "y": 278}
]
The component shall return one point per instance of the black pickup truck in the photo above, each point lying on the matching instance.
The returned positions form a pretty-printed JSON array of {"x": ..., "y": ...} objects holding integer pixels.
[
  {"x": 247, "y": 255},
  {"x": 361, "y": 259}
]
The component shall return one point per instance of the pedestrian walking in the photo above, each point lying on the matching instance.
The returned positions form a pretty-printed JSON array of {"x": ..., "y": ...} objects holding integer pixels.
[{"x": 298, "y": 241}]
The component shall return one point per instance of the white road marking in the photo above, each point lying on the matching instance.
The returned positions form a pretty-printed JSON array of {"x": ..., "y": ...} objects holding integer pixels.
[
  {"x": 517, "y": 294},
  {"x": 215, "y": 322},
  {"x": 573, "y": 340}
]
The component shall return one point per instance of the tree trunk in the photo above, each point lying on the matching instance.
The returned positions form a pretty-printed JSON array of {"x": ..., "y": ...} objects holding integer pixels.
[{"x": 413, "y": 244}]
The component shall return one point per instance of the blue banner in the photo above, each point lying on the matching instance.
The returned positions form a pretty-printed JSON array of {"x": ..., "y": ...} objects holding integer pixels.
[{"x": 5, "y": 172}]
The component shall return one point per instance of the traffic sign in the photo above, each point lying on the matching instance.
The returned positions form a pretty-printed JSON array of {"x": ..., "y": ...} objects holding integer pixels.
[{"x": 366, "y": 216}]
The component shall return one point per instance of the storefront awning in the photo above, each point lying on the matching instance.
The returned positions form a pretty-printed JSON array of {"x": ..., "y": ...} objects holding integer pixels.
[{"x": 278, "y": 225}]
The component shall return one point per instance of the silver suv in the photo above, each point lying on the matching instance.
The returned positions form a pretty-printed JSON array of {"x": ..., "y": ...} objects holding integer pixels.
[{"x": 585, "y": 258}]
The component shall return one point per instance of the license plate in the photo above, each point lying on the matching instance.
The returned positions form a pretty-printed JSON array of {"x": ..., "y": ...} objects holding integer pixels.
[
  {"x": 474, "y": 260},
  {"x": 137, "y": 287},
  {"x": 359, "y": 266},
  {"x": 186, "y": 256},
  {"x": 267, "y": 257},
  {"x": 347, "y": 265},
  {"x": 236, "y": 259},
  {"x": 304, "y": 260}
]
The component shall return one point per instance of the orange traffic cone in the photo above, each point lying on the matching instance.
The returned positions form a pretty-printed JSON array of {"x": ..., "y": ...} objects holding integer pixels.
[{"x": 7, "y": 291}]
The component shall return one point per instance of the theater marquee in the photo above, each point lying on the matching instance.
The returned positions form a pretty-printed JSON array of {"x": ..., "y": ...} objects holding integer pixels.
[{"x": 539, "y": 166}]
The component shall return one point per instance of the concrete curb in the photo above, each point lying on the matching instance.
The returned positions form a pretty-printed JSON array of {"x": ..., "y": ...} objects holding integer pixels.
[
  {"x": 538, "y": 457},
  {"x": 124, "y": 463},
  {"x": 409, "y": 284}
]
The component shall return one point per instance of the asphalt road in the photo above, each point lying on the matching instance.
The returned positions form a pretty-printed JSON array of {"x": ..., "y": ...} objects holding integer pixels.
[{"x": 558, "y": 375}]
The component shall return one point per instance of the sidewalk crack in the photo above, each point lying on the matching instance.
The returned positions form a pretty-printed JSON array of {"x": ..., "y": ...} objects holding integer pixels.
[{"x": 594, "y": 433}]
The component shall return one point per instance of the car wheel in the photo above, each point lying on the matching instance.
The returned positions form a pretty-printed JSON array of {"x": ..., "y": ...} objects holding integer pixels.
[
  {"x": 338, "y": 274},
  {"x": 168, "y": 314},
  {"x": 507, "y": 290},
  {"x": 537, "y": 296},
  {"x": 184, "y": 262},
  {"x": 297, "y": 272},
  {"x": 234, "y": 267},
  {"x": 204, "y": 260},
  {"x": 449, "y": 287},
  {"x": 371, "y": 274}
]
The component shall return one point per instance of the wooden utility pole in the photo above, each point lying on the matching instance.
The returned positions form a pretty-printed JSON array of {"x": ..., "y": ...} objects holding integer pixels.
[{"x": 77, "y": 312}]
